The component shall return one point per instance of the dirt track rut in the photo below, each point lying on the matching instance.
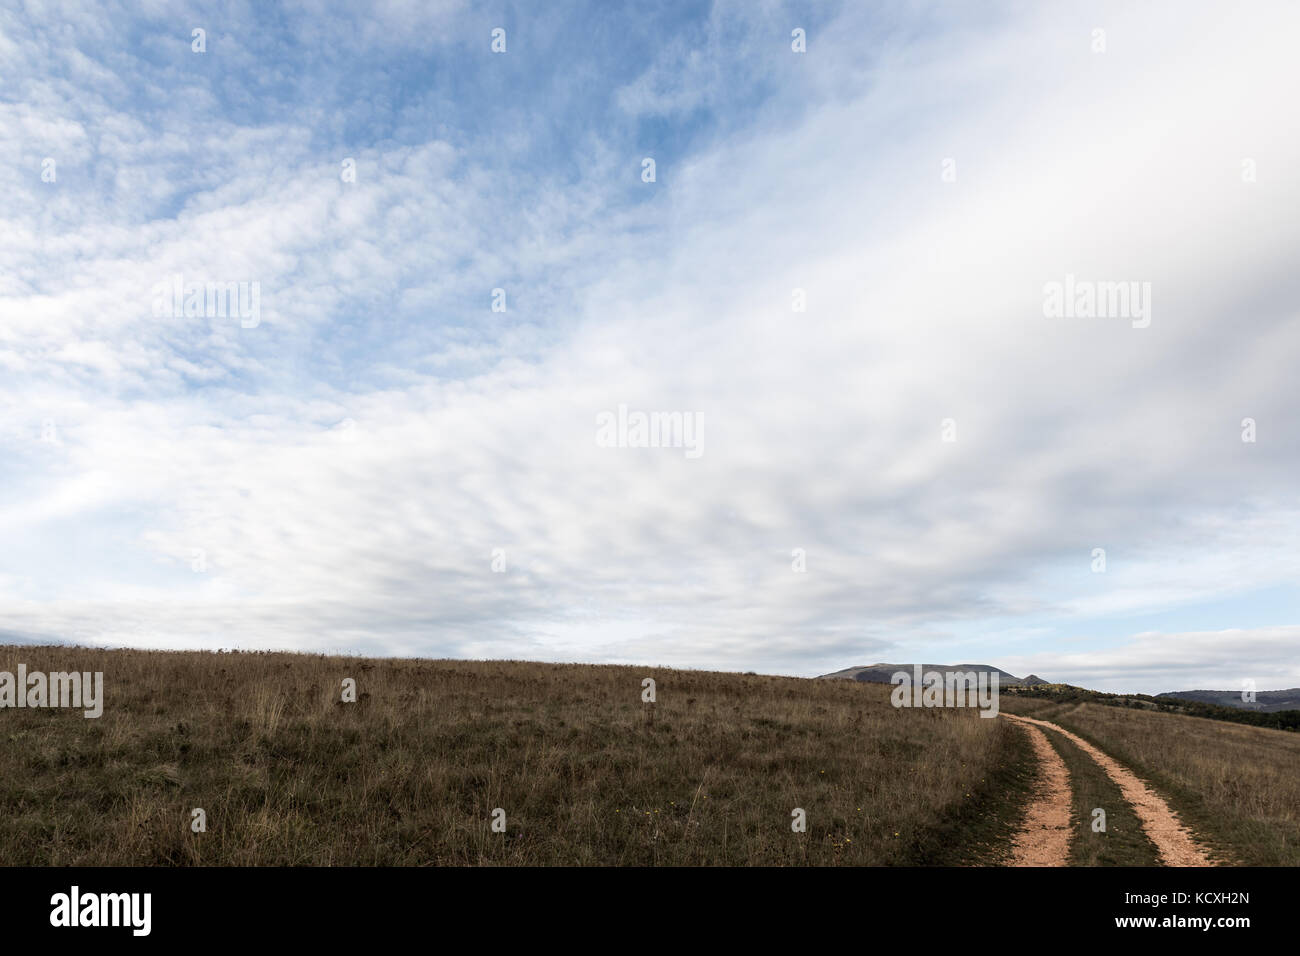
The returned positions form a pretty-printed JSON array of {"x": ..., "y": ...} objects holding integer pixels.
[{"x": 1044, "y": 837}]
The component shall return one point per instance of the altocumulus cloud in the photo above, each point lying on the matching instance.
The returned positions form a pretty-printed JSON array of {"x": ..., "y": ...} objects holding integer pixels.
[{"x": 341, "y": 475}]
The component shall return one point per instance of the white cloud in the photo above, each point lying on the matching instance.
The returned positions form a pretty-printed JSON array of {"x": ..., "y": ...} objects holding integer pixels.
[{"x": 822, "y": 427}]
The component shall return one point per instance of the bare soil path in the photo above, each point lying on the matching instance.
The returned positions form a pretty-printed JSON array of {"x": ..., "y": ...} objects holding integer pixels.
[
  {"x": 1175, "y": 842},
  {"x": 1044, "y": 838}
]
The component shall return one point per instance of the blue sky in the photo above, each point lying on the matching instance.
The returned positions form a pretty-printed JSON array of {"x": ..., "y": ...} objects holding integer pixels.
[{"x": 339, "y": 474}]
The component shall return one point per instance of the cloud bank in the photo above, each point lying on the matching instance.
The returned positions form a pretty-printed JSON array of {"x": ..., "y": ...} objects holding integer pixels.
[{"x": 839, "y": 269}]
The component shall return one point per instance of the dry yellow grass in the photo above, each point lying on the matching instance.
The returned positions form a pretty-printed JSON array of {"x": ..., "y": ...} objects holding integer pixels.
[{"x": 410, "y": 774}]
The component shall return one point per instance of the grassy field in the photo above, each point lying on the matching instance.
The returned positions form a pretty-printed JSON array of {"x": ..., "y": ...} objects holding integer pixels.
[
  {"x": 411, "y": 773},
  {"x": 1237, "y": 785}
]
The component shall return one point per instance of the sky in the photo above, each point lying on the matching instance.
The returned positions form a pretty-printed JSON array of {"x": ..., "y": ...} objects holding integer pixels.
[{"x": 458, "y": 268}]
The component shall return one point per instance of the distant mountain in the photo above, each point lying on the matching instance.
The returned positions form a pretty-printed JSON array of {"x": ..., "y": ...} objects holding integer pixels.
[
  {"x": 881, "y": 673},
  {"x": 1265, "y": 702}
]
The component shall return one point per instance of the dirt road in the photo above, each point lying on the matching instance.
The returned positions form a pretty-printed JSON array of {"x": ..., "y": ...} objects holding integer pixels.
[{"x": 1172, "y": 839}]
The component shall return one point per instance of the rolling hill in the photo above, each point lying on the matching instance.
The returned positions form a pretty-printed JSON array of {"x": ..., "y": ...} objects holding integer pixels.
[
  {"x": 882, "y": 673},
  {"x": 1265, "y": 702}
]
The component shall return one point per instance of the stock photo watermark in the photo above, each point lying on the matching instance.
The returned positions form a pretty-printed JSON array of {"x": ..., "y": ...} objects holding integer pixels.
[
  {"x": 71, "y": 689},
  {"x": 637, "y": 429},
  {"x": 1076, "y": 298},
  {"x": 174, "y": 298},
  {"x": 75, "y": 908},
  {"x": 946, "y": 689}
]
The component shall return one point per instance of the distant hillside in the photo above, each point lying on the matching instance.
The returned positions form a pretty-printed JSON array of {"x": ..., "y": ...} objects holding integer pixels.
[
  {"x": 1276, "y": 713},
  {"x": 882, "y": 673},
  {"x": 1265, "y": 702},
  {"x": 1271, "y": 708}
]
